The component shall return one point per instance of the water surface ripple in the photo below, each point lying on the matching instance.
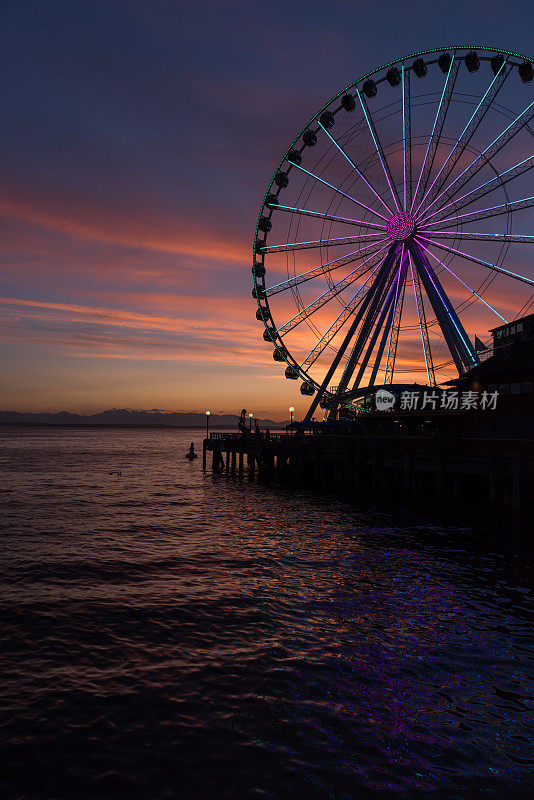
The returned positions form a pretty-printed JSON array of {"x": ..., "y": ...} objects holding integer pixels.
[{"x": 168, "y": 634}]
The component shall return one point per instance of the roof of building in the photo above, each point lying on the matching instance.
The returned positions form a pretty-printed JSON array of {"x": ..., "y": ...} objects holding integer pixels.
[{"x": 529, "y": 317}]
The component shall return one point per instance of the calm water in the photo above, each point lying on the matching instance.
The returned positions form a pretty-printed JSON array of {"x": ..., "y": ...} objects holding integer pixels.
[{"x": 168, "y": 634}]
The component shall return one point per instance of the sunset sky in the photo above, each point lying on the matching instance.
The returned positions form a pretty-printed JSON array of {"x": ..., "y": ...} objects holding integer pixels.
[{"x": 137, "y": 142}]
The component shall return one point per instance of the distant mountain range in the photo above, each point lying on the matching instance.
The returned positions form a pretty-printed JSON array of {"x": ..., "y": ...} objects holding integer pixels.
[{"x": 128, "y": 416}]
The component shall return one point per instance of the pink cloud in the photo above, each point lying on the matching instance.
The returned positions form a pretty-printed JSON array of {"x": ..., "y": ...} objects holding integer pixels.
[{"x": 142, "y": 229}]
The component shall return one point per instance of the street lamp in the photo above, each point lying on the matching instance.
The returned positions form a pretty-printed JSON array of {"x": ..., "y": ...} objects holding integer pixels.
[
  {"x": 250, "y": 422},
  {"x": 291, "y": 409},
  {"x": 208, "y": 423}
]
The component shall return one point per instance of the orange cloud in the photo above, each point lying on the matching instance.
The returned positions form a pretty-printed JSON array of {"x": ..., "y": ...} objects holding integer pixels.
[{"x": 152, "y": 231}]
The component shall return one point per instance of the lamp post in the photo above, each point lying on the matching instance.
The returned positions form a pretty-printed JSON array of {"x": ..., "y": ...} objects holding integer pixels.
[
  {"x": 291, "y": 409},
  {"x": 250, "y": 422},
  {"x": 208, "y": 424}
]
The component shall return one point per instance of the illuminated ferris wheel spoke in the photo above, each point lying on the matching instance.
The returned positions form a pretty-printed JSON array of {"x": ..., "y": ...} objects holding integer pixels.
[
  {"x": 358, "y": 172},
  {"x": 395, "y": 326},
  {"x": 483, "y": 213},
  {"x": 326, "y": 268},
  {"x": 338, "y": 190},
  {"x": 418, "y": 298},
  {"x": 458, "y": 341},
  {"x": 390, "y": 336},
  {"x": 368, "y": 300},
  {"x": 467, "y": 133},
  {"x": 371, "y": 326},
  {"x": 331, "y": 332},
  {"x": 388, "y": 315},
  {"x": 498, "y": 238},
  {"x": 331, "y": 242},
  {"x": 480, "y": 261},
  {"x": 379, "y": 150},
  {"x": 485, "y": 188},
  {"x": 330, "y": 217},
  {"x": 437, "y": 129},
  {"x": 429, "y": 361},
  {"x": 334, "y": 291},
  {"x": 368, "y": 313},
  {"x": 406, "y": 137},
  {"x": 338, "y": 323},
  {"x": 439, "y": 261},
  {"x": 340, "y": 320},
  {"x": 491, "y": 150}
]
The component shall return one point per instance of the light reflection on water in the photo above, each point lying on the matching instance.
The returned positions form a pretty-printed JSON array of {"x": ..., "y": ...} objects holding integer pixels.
[{"x": 171, "y": 634}]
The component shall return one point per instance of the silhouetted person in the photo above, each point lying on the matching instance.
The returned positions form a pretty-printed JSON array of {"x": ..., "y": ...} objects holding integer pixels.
[{"x": 242, "y": 424}]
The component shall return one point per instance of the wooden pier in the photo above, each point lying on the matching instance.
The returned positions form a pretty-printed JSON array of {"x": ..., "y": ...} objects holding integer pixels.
[{"x": 483, "y": 472}]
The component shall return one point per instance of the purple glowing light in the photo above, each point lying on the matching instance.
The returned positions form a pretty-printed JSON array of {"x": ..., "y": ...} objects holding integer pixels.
[{"x": 401, "y": 226}]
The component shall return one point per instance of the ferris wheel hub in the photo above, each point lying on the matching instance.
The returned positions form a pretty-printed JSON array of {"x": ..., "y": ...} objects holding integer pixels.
[{"x": 401, "y": 226}]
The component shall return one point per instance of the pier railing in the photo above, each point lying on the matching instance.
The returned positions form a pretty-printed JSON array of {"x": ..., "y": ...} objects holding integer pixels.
[{"x": 251, "y": 438}]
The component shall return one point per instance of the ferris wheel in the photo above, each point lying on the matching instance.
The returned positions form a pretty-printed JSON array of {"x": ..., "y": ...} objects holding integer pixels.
[{"x": 394, "y": 232}]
